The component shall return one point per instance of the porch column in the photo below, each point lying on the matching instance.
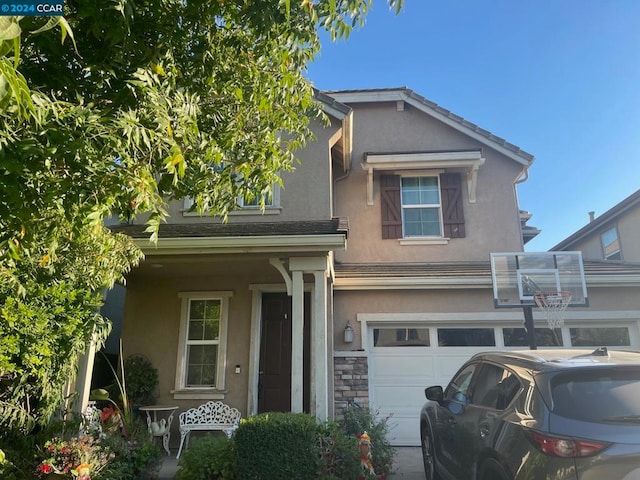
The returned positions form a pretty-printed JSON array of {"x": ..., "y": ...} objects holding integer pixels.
[
  {"x": 319, "y": 350},
  {"x": 319, "y": 369},
  {"x": 297, "y": 342}
]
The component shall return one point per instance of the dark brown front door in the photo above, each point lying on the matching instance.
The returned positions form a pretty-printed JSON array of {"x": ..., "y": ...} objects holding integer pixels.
[{"x": 274, "y": 389}]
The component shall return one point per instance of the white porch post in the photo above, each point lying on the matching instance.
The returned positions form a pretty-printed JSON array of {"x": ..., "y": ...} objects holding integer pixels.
[
  {"x": 83, "y": 378},
  {"x": 297, "y": 342},
  {"x": 319, "y": 349},
  {"x": 319, "y": 362}
]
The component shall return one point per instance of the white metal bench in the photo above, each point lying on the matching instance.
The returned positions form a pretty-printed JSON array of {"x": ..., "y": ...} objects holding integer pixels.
[{"x": 209, "y": 416}]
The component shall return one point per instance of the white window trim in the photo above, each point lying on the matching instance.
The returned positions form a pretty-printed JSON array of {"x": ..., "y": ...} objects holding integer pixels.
[
  {"x": 423, "y": 239},
  {"x": 181, "y": 391},
  {"x": 273, "y": 209},
  {"x": 469, "y": 161},
  {"x": 604, "y": 246}
]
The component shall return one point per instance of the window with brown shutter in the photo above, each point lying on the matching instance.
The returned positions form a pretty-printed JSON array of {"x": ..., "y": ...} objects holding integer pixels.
[{"x": 450, "y": 185}]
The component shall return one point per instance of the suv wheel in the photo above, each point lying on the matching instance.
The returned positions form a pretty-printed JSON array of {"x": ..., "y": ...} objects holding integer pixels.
[{"x": 428, "y": 459}]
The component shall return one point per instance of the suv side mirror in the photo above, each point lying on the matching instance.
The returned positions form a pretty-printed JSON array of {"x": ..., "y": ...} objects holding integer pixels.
[{"x": 434, "y": 393}]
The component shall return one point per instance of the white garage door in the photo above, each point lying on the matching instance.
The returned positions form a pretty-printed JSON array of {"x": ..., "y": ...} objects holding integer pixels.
[{"x": 403, "y": 360}]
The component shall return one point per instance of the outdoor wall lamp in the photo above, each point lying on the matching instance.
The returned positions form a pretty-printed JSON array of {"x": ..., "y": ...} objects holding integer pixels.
[{"x": 348, "y": 333}]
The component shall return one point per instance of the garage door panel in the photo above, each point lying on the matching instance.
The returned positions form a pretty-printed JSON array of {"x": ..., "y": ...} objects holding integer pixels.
[
  {"x": 399, "y": 377},
  {"x": 390, "y": 364},
  {"x": 396, "y": 397},
  {"x": 403, "y": 428}
]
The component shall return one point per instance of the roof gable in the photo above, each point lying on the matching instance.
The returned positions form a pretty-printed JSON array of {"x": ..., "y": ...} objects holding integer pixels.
[{"x": 432, "y": 109}]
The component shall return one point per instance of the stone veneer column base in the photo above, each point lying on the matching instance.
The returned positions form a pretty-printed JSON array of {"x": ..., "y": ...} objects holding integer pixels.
[{"x": 351, "y": 383}]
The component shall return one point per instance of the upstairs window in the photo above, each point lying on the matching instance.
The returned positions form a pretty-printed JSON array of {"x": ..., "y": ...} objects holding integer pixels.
[
  {"x": 254, "y": 202},
  {"x": 422, "y": 206},
  {"x": 611, "y": 244}
]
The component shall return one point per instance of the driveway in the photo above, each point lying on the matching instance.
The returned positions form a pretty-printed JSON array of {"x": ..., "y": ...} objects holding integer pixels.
[{"x": 407, "y": 464}]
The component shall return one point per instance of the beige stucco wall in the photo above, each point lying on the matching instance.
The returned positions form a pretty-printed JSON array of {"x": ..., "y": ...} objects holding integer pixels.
[
  {"x": 603, "y": 303},
  {"x": 492, "y": 223},
  {"x": 152, "y": 316},
  {"x": 306, "y": 194}
]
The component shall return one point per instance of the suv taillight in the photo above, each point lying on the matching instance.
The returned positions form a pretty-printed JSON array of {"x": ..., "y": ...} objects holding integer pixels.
[{"x": 565, "y": 447}]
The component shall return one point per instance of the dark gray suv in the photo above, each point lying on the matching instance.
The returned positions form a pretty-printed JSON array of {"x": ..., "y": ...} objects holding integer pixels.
[{"x": 529, "y": 415}]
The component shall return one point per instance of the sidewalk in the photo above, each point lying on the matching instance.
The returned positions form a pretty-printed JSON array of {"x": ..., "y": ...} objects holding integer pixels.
[{"x": 407, "y": 465}]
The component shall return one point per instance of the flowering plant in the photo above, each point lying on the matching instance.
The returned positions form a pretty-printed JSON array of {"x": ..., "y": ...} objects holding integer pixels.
[{"x": 77, "y": 457}]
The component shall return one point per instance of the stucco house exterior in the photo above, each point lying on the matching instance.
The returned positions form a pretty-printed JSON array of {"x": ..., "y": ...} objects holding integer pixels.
[
  {"x": 611, "y": 236},
  {"x": 366, "y": 278}
]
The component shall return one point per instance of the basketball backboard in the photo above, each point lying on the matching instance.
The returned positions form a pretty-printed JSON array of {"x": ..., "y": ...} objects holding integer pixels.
[{"x": 518, "y": 276}]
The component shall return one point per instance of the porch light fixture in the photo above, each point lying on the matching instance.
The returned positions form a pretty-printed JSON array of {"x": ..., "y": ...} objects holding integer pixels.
[{"x": 348, "y": 333}]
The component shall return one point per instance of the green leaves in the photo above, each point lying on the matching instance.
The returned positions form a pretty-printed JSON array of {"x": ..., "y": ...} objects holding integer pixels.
[{"x": 144, "y": 106}]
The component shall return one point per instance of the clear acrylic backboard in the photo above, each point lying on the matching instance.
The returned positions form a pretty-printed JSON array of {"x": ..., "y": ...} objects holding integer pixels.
[{"x": 518, "y": 276}]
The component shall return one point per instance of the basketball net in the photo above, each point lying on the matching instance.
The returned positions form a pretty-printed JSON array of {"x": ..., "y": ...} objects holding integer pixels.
[{"x": 554, "y": 304}]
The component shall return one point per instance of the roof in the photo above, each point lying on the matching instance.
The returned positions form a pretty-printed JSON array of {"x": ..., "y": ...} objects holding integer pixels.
[
  {"x": 436, "y": 111},
  {"x": 257, "y": 229},
  {"x": 630, "y": 202},
  {"x": 462, "y": 274}
]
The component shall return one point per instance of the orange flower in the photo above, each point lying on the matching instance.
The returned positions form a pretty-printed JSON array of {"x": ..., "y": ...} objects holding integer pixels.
[{"x": 83, "y": 471}]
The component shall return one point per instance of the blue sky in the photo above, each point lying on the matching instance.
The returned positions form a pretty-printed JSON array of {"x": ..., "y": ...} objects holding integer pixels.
[{"x": 558, "y": 78}]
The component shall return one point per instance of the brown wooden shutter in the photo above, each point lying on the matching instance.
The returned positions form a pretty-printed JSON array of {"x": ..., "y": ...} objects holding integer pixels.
[
  {"x": 391, "y": 206},
  {"x": 452, "y": 211}
]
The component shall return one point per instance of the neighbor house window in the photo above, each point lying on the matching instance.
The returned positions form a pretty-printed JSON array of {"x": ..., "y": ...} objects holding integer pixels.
[
  {"x": 420, "y": 207},
  {"x": 611, "y": 245},
  {"x": 428, "y": 206},
  {"x": 203, "y": 334}
]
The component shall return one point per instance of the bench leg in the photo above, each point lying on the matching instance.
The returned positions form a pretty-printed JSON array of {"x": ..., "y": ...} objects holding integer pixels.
[{"x": 183, "y": 436}]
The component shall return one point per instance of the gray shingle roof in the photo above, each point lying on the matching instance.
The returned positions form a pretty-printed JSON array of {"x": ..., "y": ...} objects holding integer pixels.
[{"x": 192, "y": 230}]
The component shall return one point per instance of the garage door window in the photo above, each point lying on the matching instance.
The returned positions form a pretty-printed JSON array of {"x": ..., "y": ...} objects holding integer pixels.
[
  {"x": 401, "y": 337},
  {"x": 545, "y": 337},
  {"x": 466, "y": 337},
  {"x": 596, "y": 337}
]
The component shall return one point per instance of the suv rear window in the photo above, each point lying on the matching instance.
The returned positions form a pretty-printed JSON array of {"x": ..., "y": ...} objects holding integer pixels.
[{"x": 598, "y": 395}]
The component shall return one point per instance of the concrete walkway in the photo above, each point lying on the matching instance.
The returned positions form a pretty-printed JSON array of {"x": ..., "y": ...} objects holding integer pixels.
[{"x": 406, "y": 466}]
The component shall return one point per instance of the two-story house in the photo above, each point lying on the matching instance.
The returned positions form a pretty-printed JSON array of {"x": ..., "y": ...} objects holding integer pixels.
[
  {"x": 611, "y": 236},
  {"x": 366, "y": 278}
]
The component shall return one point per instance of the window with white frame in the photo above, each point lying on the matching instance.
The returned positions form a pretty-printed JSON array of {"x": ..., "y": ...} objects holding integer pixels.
[
  {"x": 421, "y": 208},
  {"x": 611, "y": 244},
  {"x": 247, "y": 205},
  {"x": 426, "y": 207},
  {"x": 254, "y": 202},
  {"x": 203, "y": 335}
]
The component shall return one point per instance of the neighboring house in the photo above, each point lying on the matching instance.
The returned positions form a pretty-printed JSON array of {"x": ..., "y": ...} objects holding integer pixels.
[
  {"x": 611, "y": 236},
  {"x": 384, "y": 231}
]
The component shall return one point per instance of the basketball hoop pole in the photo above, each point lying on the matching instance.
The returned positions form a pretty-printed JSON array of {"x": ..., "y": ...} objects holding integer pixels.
[{"x": 529, "y": 327}]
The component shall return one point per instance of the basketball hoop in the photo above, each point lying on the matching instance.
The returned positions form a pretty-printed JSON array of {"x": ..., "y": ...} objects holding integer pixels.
[{"x": 554, "y": 304}]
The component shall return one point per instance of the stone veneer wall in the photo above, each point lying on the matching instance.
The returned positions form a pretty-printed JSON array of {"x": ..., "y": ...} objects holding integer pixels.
[{"x": 351, "y": 383}]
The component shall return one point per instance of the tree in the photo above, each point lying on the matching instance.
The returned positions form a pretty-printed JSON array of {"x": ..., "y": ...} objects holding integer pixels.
[{"x": 117, "y": 109}]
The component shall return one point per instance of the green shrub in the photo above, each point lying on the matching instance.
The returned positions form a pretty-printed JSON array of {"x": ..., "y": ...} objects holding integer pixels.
[
  {"x": 358, "y": 420},
  {"x": 136, "y": 457},
  {"x": 211, "y": 457},
  {"x": 340, "y": 456},
  {"x": 276, "y": 446},
  {"x": 141, "y": 380}
]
